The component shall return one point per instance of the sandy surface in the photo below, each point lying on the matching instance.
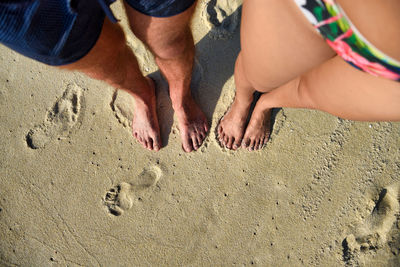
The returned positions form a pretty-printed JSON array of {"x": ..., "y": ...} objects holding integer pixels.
[{"x": 76, "y": 189}]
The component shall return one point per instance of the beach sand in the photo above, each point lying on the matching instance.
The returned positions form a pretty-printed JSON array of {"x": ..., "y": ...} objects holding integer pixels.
[{"x": 76, "y": 189}]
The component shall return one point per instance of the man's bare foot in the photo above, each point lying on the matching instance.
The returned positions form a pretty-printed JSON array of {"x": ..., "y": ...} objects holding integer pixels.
[
  {"x": 233, "y": 124},
  {"x": 258, "y": 130},
  {"x": 193, "y": 124},
  {"x": 145, "y": 126}
]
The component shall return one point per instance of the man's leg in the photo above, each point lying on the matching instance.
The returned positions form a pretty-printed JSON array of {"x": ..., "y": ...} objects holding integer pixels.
[
  {"x": 112, "y": 60},
  {"x": 170, "y": 39}
]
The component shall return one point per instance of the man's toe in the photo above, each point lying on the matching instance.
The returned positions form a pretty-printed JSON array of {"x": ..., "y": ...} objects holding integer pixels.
[
  {"x": 187, "y": 143},
  {"x": 205, "y": 127},
  {"x": 194, "y": 142},
  {"x": 221, "y": 138},
  {"x": 187, "y": 148},
  {"x": 140, "y": 139},
  {"x": 246, "y": 142},
  {"x": 200, "y": 139},
  {"x": 251, "y": 146},
  {"x": 144, "y": 144},
  {"x": 261, "y": 144},
  {"x": 219, "y": 129},
  {"x": 237, "y": 143},
  {"x": 157, "y": 143},
  {"x": 150, "y": 144},
  {"x": 230, "y": 142},
  {"x": 257, "y": 144},
  {"x": 226, "y": 140},
  {"x": 265, "y": 140}
]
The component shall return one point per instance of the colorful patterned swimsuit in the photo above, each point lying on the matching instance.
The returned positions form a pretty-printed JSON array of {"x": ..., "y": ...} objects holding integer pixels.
[{"x": 341, "y": 35}]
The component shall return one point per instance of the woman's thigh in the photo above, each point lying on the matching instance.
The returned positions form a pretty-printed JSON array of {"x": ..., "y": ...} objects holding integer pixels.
[
  {"x": 378, "y": 21},
  {"x": 278, "y": 43},
  {"x": 340, "y": 89}
]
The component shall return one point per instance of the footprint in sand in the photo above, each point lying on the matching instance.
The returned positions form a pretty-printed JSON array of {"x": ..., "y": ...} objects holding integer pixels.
[
  {"x": 121, "y": 197},
  {"x": 123, "y": 107},
  {"x": 377, "y": 229},
  {"x": 60, "y": 120},
  {"x": 221, "y": 18}
]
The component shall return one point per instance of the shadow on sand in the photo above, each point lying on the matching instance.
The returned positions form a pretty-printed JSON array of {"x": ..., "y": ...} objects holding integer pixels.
[{"x": 215, "y": 62}]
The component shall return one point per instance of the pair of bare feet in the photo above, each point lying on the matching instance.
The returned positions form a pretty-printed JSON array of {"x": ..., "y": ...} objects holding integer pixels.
[
  {"x": 193, "y": 123},
  {"x": 234, "y": 132}
]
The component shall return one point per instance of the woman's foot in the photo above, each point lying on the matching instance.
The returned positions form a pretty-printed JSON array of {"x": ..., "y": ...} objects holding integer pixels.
[
  {"x": 232, "y": 126},
  {"x": 145, "y": 126},
  {"x": 258, "y": 130}
]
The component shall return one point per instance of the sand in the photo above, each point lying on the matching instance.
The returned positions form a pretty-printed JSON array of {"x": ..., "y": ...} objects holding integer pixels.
[{"x": 77, "y": 190}]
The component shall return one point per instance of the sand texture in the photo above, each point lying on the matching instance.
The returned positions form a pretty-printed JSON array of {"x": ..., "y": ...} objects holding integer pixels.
[{"x": 77, "y": 190}]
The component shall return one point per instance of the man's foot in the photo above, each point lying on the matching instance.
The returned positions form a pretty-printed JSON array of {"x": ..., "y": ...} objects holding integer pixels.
[
  {"x": 258, "y": 130},
  {"x": 233, "y": 124},
  {"x": 193, "y": 124},
  {"x": 145, "y": 126}
]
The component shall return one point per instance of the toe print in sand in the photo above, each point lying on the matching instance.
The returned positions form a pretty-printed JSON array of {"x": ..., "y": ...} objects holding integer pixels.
[
  {"x": 60, "y": 119},
  {"x": 380, "y": 229},
  {"x": 122, "y": 197}
]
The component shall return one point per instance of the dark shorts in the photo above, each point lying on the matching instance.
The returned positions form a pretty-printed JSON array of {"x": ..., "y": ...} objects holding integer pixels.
[
  {"x": 160, "y": 8},
  {"x": 60, "y": 32}
]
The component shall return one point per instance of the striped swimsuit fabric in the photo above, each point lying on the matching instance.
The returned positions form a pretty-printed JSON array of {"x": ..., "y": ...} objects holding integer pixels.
[{"x": 343, "y": 37}]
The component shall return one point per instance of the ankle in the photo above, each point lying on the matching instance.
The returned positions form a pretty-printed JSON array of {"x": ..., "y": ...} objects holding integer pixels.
[
  {"x": 141, "y": 89},
  {"x": 242, "y": 103},
  {"x": 261, "y": 114},
  {"x": 179, "y": 102}
]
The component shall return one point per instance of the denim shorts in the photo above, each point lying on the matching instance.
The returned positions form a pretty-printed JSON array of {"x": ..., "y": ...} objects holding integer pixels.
[{"x": 60, "y": 32}]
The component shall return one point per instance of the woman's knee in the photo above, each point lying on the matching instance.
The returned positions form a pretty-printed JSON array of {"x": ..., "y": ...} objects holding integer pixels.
[
  {"x": 278, "y": 43},
  {"x": 304, "y": 93},
  {"x": 261, "y": 74}
]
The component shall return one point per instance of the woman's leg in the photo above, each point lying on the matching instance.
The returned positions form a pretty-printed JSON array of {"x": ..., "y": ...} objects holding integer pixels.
[
  {"x": 339, "y": 89},
  {"x": 335, "y": 86},
  {"x": 232, "y": 126},
  {"x": 278, "y": 44}
]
